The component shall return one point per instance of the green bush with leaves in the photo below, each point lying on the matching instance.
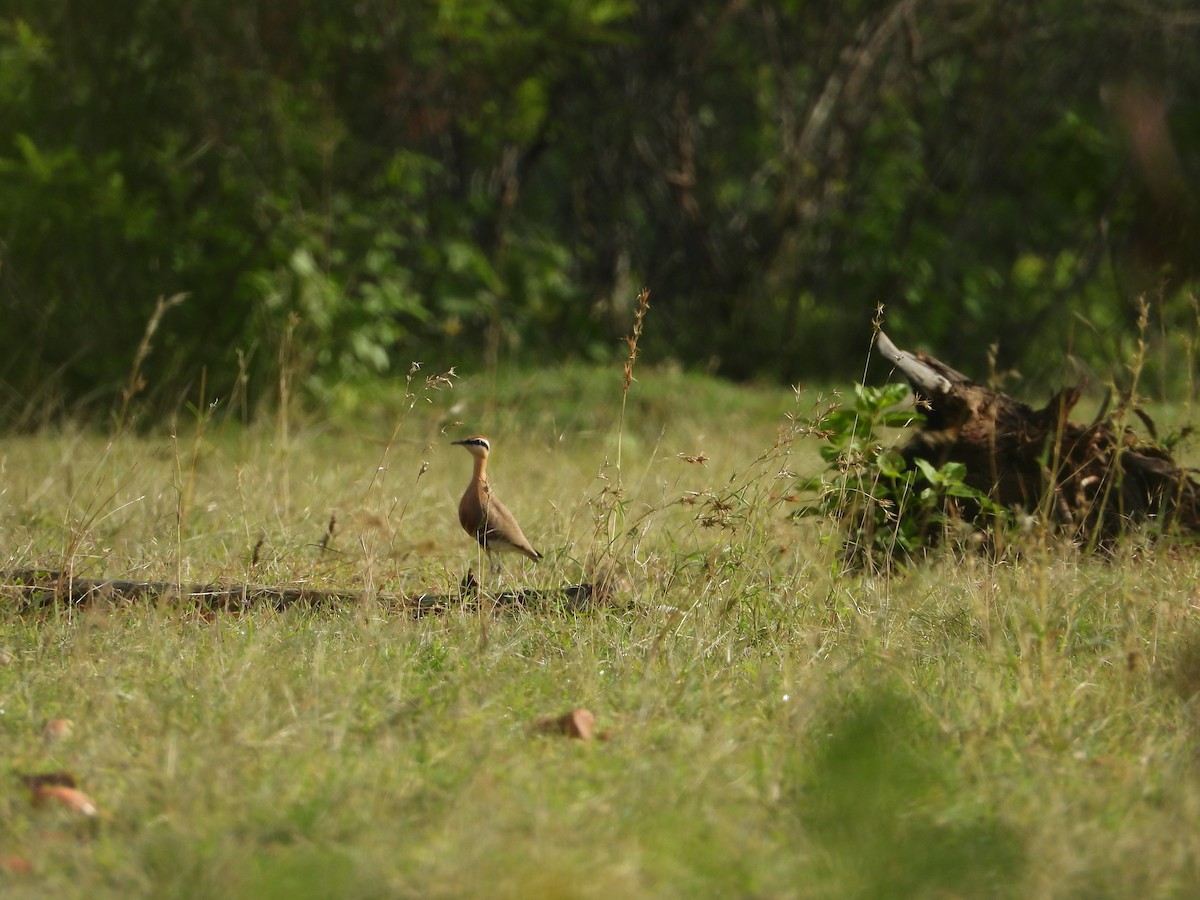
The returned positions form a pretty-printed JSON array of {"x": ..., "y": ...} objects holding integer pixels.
[{"x": 889, "y": 513}]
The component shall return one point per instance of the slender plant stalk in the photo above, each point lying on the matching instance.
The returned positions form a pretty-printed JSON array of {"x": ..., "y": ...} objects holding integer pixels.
[
  {"x": 1136, "y": 365},
  {"x": 632, "y": 339},
  {"x": 412, "y": 394},
  {"x": 136, "y": 384},
  {"x": 282, "y": 426}
]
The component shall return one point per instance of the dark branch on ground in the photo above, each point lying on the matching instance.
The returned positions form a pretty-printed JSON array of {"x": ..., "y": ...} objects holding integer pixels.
[{"x": 41, "y": 590}]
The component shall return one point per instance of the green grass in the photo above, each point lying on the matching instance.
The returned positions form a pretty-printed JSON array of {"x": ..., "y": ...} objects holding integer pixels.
[{"x": 775, "y": 728}]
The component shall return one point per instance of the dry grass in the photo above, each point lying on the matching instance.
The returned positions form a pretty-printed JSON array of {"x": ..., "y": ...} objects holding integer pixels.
[{"x": 1025, "y": 728}]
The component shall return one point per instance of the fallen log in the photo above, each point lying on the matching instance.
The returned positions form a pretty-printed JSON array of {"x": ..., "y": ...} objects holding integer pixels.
[
  {"x": 1091, "y": 481},
  {"x": 40, "y": 590}
]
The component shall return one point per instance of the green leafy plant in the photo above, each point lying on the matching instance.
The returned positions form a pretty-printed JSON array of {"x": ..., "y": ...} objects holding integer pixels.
[{"x": 889, "y": 511}]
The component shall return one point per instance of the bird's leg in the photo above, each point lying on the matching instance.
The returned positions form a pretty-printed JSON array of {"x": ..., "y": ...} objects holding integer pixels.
[
  {"x": 468, "y": 587},
  {"x": 497, "y": 570},
  {"x": 479, "y": 587},
  {"x": 483, "y": 603}
]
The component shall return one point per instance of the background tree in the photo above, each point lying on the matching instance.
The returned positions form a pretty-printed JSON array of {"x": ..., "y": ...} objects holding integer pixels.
[{"x": 475, "y": 180}]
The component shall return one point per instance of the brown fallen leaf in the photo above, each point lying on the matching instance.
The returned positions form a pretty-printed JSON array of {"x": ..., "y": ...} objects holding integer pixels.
[
  {"x": 18, "y": 865},
  {"x": 73, "y": 799},
  {"x": 57, "y": 730},
  {"x": 578, "y": 723}
]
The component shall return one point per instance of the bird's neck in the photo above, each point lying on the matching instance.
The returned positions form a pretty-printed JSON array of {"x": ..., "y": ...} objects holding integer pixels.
[{"x": 480, "y": 470}]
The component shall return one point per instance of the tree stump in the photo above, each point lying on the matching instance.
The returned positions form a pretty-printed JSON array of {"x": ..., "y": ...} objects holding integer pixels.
[{"x": 1092, "y": 482}]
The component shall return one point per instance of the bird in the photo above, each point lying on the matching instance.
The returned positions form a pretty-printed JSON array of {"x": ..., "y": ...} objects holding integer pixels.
[{"x": 481, "y": 513}]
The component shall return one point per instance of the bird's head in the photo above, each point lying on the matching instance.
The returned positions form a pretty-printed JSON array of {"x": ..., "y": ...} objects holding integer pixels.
[{"x": 477, "y": 445}]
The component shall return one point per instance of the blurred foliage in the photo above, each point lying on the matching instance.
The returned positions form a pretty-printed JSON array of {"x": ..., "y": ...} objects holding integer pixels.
[
  {"x": 343, "y": 188},
  {"x": 882, "y": 803}
]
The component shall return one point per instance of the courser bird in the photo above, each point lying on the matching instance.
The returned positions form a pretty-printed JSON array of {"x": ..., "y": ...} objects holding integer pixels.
[{"x": 482, "y": 515}]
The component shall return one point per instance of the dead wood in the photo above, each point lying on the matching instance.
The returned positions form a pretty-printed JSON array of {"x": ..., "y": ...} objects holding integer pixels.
[
  {"x": 37, "y": 590},
  {"x": 1093, "y": 481}
]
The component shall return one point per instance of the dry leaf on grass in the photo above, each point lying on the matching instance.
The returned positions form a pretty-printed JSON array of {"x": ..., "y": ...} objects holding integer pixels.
[
  {"x": 18, "y": 865},
  {"x": 60, "y": 788},
  {"x": 578, "y": 723},
  {"x": 57, "y": 730},
  {"x": 71, "y": 798}
]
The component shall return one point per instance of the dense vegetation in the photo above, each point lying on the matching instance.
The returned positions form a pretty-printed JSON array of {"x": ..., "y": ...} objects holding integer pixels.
[{"x": 350, "y": 186}]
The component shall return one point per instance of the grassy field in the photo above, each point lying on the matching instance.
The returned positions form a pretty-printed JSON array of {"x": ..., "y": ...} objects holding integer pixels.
[{"x": 774, "y": 727}]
